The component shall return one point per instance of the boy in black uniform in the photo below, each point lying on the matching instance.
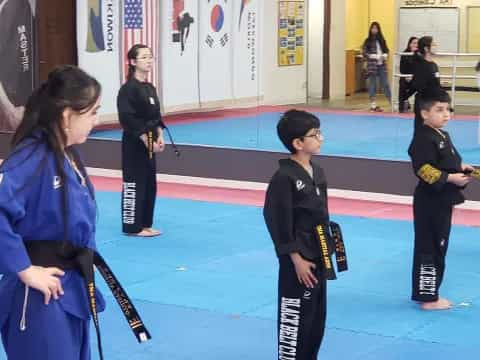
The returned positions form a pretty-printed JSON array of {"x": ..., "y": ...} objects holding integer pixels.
[
  {"x": 442, "y": 176},
  {"x": 296, "y": 213}
]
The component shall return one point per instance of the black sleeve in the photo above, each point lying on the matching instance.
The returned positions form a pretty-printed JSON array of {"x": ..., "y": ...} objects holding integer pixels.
[
  {"x": 156, "y": 120},
  {"x": 128, "y": 114},
  {"x": 424, "y": 76},
  {"x": 405, "y": 65},
  {"x": 423, "y": 153},
  {"x": 420, "y": 77},
  {"x": 278, "y": 214},
  {"x": 161, "y": 124}
]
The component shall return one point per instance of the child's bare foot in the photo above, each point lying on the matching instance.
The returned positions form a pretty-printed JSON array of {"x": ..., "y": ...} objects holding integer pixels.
[
  {"x": 153, "y": 231},
  {"x": 440, "y": 304},
  {"x": 146, "y": 233}
]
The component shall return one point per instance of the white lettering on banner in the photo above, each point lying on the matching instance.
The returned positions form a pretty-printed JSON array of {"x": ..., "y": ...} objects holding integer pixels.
[
  {"x": 23, "y": 46},
  {"x": 288, "y": 331},
  {"x": 128, "y": 206},
  {"x": 427, "y": 280},
  {"x": 110, "y": 22}
]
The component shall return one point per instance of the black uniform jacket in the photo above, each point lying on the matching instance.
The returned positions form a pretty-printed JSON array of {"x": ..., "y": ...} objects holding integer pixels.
[
  {"x": 433, "y": 158},
  {"x": 425, "y": 75},
  {"x": 138, "y": 108},
  {"x": 295, "y": 203}
]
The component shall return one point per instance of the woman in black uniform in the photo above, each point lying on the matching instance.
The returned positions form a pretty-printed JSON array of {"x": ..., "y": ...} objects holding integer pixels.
[
  {"x": 425, "y": 74},
  {"x": 406, "y": 67},
  {"x": 139, "y": 114}
]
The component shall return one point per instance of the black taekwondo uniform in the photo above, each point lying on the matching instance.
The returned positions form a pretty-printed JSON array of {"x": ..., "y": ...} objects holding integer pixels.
[
  {"x": 433, "y": 158},
  {"x": 425, "y": 77},
  {"x": 404, "y": 93},
  {"x": 296, "y": 215},
  {"x": 139, "y": 113}
]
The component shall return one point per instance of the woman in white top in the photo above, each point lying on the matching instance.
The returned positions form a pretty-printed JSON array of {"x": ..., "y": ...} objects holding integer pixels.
[{"x": 375, "y": 52}]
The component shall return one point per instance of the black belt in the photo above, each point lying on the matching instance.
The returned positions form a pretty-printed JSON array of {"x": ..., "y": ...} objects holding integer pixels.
[
  {"x": 323, "y": 235},
  {"x": 65, "y": 255}
]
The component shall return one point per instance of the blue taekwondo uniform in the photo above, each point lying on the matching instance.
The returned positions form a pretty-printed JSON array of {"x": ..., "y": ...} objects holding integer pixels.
[{"x": 31, "y": 195}]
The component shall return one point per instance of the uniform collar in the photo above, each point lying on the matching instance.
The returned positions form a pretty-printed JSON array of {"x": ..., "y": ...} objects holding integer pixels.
[{"x": 295, "y": 167}]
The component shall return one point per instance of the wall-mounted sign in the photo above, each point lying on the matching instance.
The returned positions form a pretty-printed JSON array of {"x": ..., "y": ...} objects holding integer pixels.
[
  {"x": 291, "y": 32},
  {"x": 427, "y": 2}
]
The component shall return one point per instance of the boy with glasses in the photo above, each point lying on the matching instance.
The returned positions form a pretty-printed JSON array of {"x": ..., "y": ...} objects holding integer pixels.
[{"x": 296, "y": 215}]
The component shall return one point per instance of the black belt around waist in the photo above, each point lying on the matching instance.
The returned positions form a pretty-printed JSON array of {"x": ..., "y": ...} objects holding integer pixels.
[
  {"x": 323, "y": 235},
  {"x": 66, "y": 256}
]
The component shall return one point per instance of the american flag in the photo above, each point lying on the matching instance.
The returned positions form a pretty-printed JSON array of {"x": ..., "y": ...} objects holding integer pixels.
[{"x": 140, "y": 27}]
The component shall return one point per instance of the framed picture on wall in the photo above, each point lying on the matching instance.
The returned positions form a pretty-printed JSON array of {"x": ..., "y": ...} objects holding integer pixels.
[{"x": 291, "y": 33}]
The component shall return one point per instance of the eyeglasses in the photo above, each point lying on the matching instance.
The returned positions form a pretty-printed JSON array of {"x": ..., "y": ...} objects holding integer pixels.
[
  {"x": 317, "y": 134},
  {"x": 144, "y": 58}
]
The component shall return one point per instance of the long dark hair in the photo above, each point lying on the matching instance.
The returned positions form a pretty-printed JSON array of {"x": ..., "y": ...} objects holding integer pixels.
[
  {"x": 371, "y": 38},
  {"x": 132, "y": 55},
  {"x": 66, "y": 87},
  {"x": 407, "y": 49},
  {"x": 424, "y": 42}
]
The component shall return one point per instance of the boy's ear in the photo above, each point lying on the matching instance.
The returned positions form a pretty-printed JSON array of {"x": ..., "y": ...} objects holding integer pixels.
[
  {"x": 297, "y": 144},
  {"x": 424, "y": 114}
]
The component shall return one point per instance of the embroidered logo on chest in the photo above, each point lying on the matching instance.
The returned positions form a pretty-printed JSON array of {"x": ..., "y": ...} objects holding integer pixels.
[
  {"x": 57, "y": 182},
  {"x": 300, "y": 185},
  {"x": 441, "y": 145}
]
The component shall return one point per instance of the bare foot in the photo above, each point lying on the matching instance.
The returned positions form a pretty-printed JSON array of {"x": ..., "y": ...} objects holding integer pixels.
[
  {"x": 152, "y": 231},
  {"x": 144, "y": 233},
  {"x": 440, "y": 304}
]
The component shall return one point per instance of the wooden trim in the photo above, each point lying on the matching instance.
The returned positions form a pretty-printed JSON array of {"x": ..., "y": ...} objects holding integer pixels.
[{"x": 326, "y": 48}]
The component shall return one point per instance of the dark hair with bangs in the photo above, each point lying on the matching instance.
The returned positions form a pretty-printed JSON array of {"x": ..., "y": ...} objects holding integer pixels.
[
  {"x": 427, "y": 99},
  {"x": 294, "y": 124}
]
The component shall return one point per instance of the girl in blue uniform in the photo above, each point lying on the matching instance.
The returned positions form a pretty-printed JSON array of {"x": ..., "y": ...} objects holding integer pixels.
[{"x": 45, "y": 195}]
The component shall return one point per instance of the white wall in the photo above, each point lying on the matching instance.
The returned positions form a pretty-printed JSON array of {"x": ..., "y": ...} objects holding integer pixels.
[
  {"x": 281, "y": 85},
  {"x": 315, "y": 47}
]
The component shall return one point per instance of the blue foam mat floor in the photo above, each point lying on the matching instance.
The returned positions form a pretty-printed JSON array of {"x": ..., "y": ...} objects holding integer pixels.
[
  {"x": 350, "y": 135},
  {"x": 206, "y": 289}
]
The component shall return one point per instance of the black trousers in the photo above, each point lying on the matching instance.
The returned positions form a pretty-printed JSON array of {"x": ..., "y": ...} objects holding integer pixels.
[
  {"x": 301, "y": 314},
  {"x": 139, "y": 185},
  {"x": 432, "y": 223},
  {"x": 403, "y": 95},
  {"x": 418, "y": 116}
]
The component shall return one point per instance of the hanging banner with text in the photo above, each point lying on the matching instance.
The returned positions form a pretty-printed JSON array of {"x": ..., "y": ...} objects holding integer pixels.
[
  {"x": 17, "y": 54},
  {"x": 246, "y": 48},
  {"x": 98, "y": 43}
]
